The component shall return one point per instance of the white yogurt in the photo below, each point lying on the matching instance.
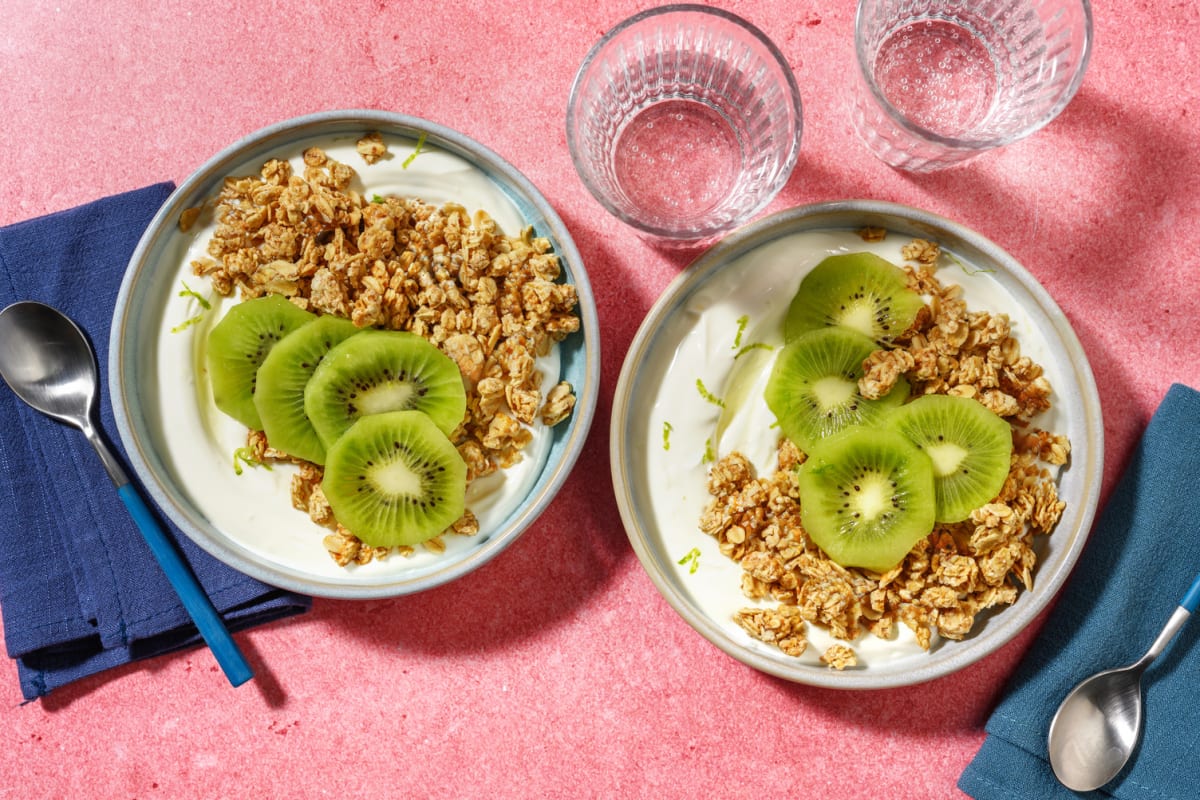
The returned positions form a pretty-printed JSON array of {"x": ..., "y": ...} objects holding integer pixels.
[
  {"x": 759, "y": 287},
  {"x": 253, "y": 509}
]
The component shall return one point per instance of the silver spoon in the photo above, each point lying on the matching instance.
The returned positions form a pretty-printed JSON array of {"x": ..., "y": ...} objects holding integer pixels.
[
  {"x": 1097, "y": 727},
  {"x": 50, "y": 365}
]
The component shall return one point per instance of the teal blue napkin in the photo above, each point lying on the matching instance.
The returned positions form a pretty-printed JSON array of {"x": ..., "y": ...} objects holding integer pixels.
[
  {"x": 80, "y": 591},
  {"x": 1140, "y": 560}
]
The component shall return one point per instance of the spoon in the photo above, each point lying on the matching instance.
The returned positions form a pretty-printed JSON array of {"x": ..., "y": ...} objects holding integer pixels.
[
  {"x": 1099, "y": 723},
  {"x": 50, "y": 365}
]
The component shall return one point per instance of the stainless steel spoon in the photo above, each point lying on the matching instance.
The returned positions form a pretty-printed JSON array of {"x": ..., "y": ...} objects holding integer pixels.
[
  {"x": 49, "y": 364},
  {"x": 1098, "y": 725}
]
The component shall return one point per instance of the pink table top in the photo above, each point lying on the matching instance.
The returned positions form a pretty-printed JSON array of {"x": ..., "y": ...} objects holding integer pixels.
[{"x": 557, "y": 669}]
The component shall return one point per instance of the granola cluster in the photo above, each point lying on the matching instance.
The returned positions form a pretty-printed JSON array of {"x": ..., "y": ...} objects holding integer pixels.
[
  {"x": 951, "y": 350},
  {"x": 950, "y": 576},
  {"x": 493, "y": 303}
]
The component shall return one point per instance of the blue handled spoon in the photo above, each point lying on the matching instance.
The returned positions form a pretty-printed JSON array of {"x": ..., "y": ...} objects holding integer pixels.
[
  {"x": 48, "y": 363},
  {"x": 1098, "y": 725}
]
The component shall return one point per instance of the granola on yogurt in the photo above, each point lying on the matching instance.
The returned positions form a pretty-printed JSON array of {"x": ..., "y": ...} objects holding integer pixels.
[
  {"x": 957, "y": 571},
  {"x": 492, "y": 302}
]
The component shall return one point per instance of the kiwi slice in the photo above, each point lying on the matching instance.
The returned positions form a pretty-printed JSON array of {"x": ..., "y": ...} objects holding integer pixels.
[
  {"x": 379, "y": 371},
  {"x": 969, "y": 445},
  {"x": 284, "y": 374},
  {"x": 394, "y": 478},
  {"x": 860, "y": 291},
  {"x": 813, "y": 386},
  {"x": 238, "y": 345},
  {"x": 866, "y": 497}
]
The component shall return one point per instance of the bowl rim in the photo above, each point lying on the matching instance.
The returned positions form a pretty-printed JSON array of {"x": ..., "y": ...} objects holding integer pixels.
[
  {"x": 519, "y": 189},
  {"x": 1003, "y": 627}
]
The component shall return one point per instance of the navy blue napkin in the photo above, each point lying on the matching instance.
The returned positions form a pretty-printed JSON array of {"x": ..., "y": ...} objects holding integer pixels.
[
  {"x": 80, "y": 591},
  {"x": 1139, "y": 562}
]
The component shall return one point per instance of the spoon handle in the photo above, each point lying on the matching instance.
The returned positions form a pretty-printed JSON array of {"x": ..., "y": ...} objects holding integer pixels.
[
  {"x": 1182, "y": 612},
  {"x": 209, "y": 623},
  {"x": 1191, "y": 600}
]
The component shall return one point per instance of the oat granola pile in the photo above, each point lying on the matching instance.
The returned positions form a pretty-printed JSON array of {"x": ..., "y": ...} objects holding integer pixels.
[
  {"x": 491, "y": 302},
  {"x": 956, "y": 572}
]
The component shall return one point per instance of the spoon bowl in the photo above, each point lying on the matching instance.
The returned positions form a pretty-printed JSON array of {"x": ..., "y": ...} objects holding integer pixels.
[
  {"x": 1099, "y": 724},
  {"x": 1097, "y": 728},
  {"x": 49, "y": 363}
]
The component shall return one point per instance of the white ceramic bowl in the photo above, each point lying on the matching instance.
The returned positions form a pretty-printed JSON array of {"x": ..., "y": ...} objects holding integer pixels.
[
  {"x": 662, "y": 426},
  {"x": 168, "y": 427}
]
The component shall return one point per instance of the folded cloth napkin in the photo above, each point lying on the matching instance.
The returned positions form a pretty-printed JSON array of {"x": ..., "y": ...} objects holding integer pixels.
[
  {"x": 1141, "y": 558},
  {"x": 80, "y": 591}
]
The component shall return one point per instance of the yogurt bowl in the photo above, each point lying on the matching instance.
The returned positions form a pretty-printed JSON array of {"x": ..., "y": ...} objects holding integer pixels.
[
  {"x": 706, "y": 348},
  {"x": 183, "y": 449}
]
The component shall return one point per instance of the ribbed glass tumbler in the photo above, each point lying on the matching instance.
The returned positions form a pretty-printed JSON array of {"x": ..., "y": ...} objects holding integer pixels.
[
  {"x": 941, "y": 81},
  {"x": 684, "y": 121}
]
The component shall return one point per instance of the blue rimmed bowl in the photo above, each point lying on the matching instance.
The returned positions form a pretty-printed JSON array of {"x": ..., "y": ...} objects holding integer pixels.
[
  {"x": 183, "y": 451},
  {"x": 665, "y": 433}
]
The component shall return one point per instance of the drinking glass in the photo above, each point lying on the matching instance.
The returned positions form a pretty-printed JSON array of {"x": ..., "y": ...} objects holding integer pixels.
[
  {"x": 684, "y": 121},
  {"x": 941, "y": 81}
]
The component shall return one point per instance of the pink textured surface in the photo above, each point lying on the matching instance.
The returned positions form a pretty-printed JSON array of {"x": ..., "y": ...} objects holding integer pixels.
[{"x": 557, "y": 670}]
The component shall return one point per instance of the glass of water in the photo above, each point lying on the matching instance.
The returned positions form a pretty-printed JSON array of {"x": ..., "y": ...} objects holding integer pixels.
[
  {"x": 944, "y": 80},
  {"x": 684, "y": 121}
]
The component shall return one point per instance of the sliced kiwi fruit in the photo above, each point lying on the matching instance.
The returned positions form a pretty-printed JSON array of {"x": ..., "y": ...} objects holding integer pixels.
[
  {"x": 813, "y": 386},
  {"x": 860, "y": 291},
  {"x": 866, "y": 497},
  {"x": 970, "y": 448},
  {"x": 282, "y": 378},
  {"x": 394, "y": 478},
  {"x": 379, "y": 371},
  {"x": 237, "y": 347}
]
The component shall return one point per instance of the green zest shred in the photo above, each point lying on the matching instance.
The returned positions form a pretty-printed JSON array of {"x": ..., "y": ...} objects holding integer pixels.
[
  {"x": 693, "y": 558},
  {"x": 752, "y": 346},
  {"x": 187, "y": 323},
  {"x": 742, "y": 322},
  {"x": 707, "y": 395},
  {"x": 710, "y": 454},
  {"x": 416, "y": 150},
  {"x": 964, "y": 267},
  {"x": 244, "y": 455},
  {"x": 667, "y": 428},
  {"x": 188, "y": 291}
]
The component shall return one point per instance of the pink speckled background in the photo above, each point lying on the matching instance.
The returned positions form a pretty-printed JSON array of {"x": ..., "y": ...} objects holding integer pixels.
[{"x": 557, "y": 670}]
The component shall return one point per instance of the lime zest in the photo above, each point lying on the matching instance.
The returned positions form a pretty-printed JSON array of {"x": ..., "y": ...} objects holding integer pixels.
[
  {"x": 707, "y": 395},
  {"x": 245, "y": 455},
  {"x": 667, "y": 428},
  {"x": 188, "y": 291},
  {"x": 205, "y": 305},
  {"x": 742, "y": 322},
  {"x": 751, "y": 346},
  {"x": 692, "y": 557},
  {"x": 710, "y": 453},
  {"x": 967, "y": 270},
  {"x": 187, "y": 323},
  {"x": 416, "y": 150},
  {"x": 377, "y": 199}
]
